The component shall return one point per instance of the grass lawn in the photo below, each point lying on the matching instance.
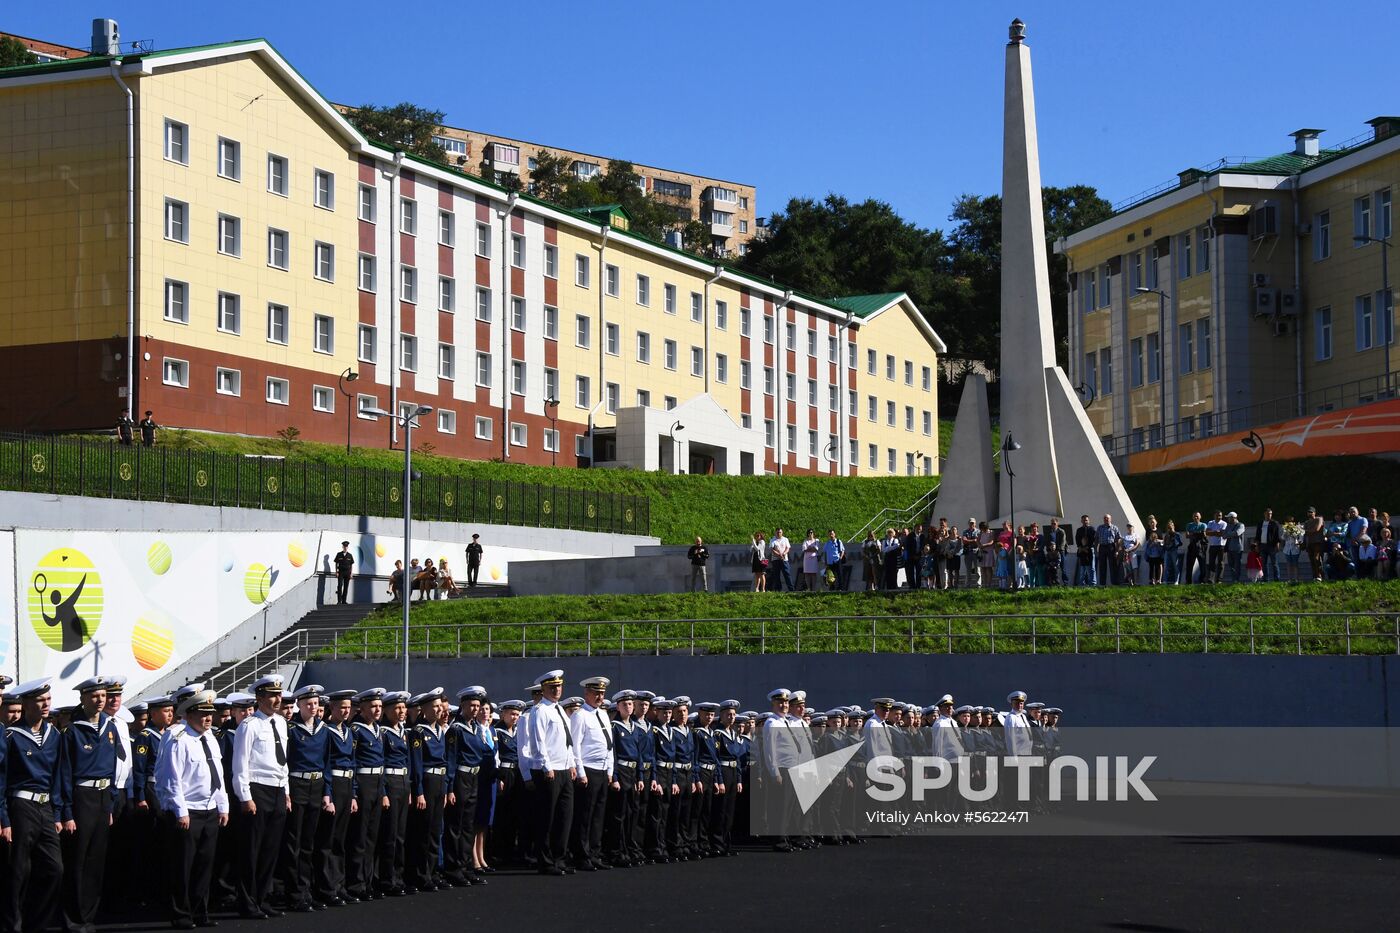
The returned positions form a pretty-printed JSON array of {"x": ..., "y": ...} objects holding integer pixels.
[{"x": 1149, "y": 619}]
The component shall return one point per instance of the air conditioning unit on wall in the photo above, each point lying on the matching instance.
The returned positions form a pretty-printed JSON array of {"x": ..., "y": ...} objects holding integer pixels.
[{"x": 1266, "y": 302}]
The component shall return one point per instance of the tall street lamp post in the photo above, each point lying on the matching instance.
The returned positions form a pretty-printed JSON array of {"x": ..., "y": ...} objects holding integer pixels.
[
  {"x": 1007, "y": 447},
  {"x": 348, "y": 376}
]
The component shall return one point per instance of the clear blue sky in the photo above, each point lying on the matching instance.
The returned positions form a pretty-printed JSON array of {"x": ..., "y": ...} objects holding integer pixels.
[{"x": 894, "y": 100}]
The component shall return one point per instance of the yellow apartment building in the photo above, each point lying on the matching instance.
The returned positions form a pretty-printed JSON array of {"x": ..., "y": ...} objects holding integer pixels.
[
  {"x": 198, "y": 232},
  {"x": 1242, "y": 293}
]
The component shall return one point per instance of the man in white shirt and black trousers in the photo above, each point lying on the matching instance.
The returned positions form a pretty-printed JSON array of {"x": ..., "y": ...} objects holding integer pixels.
[
  {"x": 592, "y": 735},
  {"x": 261, "y": 786},
  {"x": 553, "y": 768},
  {"x": 194, "y": 802}
]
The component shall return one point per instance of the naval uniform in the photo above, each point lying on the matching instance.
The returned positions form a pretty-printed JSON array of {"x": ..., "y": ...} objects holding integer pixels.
[
  {"x": 468, "y": 752},
  {"x": 191, "y": 787},
  {"x": 87, "y": 765},
  {"x": 260, "y": 777},
  {"x": 339, "y": 785},
  {"x": 661, "y": 802},
  {"x": 361, "y": 868},
  {"x": 399, "y": 781},
  {"x": 703, "y": 804},
  {"x": 306, "y": 767},
  {"x": 509, "y": 796},
  {"x": 593, "y": 743},
  {"x": 679, "y": 840},
  {"x": 428, "y": 750},
  {"x": 551, "y": 754},
  {"x": 621, "y": 812},
  {"x": 732, "y": 750},
  {"x": 31, "y": 803}
]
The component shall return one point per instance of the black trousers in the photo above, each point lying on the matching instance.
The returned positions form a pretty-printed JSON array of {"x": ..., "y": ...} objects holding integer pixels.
[
  {"x": 590, "y": 803},
  {"x": 678, "y": 839},
  {"x": 190, "y": 863},
  {"x": 342, "y": 588},
  {"x": 361, "y": 862},
  {"x": 459, "y": 831},
  {"x": 554, "y": 812},
  {"x": 331, "y": 833},
  {"x": 299, "y": 840},
  {"x": 504, "y": 841},
  {"x": 701, "y": 803},
  {"x": 722, "y": 812},
  {"x": 658, "y": 808},
  {"x": 85, "y": 857},
  {"x": 621, "y": 816},
  {"x": 35, "y": 867},
  {"x": 393, "y": 832},
  {"x": 472, "y": 571},
  {"x": 781, "y": 818},
  {"x": 424, "y": 843},
  {"x": 261, "y": 836}
]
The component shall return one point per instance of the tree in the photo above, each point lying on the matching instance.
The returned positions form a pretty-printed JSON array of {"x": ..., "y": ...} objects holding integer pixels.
[
  {"x": 403, "y": 126},
  {"x": 13, "y": 52},
  {"x": 551, "y": 176}
]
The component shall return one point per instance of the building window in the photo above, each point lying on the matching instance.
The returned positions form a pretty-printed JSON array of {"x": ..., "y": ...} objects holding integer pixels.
[
  {"x": 277, "y": 175},
  {"x": 1361, "y": 219},
  {"x": 447, "y": 361},
  {"x": 364, "y": 404},
  {"x": 447, "y": 422},
  {"x": 1203, "y": 239},
  {"x": 889, "y": 413},
  {"x": 278, "y": 392},
  {"x": 1322, "y": 330},
  {"x": 790, "y": 336},
  {"x": 890, "y": 459},
  {"x": 367, "y": 352},
  {"x": 850, "y": 356},
  {"x": 176, "y": 142},
  {"x": 1090, "y": 291},
  {"x": 325, "y": 190},
  {"x": 447, "y": 228},
  {"x": 697, "y": 361},
  {"x": 367, "y": 203},
  {"x": 889, "y": 367},
  {"x": 874, "y": 460},
  {"x": 517, "y": 314},
  {"x": 325, "y": 262},
  {"x": 721, "y": 368},
  {"x": 1152, "y": 252},
  {"x": 643, "y": 347},
  {"x": 323, "y": 338},
  {"x": 230, "y": 235},
  {"x": 1106, "y": 371},
  {"x": 812, "y": 444},
  {"x": 927, "y": 376},
  {"x": 612, "y": 281},
  {"x": 722, "y": 315},
  {"x": 928, "y": 424},
  {"x": 643, "y": 291},
  {"x": 367, "y": 273},
  {"x": 872, "y": 408},
  {"x": 668, "y": 298},
  {"x": 1185, "y": 351},
  {"x": 643, "y": 398},
  {"x": 791, "y": 433},
  {"x": 230, "y": 159},
  {"x": 908, "y": 417},
  {"x": 1091, "y": 371},
  {"x": 323, "y": 398},
  {"x": 230, "y": 313},
  {"x": 870, "y": 362},
  {"x": 669, "y": 354},
  {"x": 1322, "y": 235},
  {"x": 1136, "y": 371},
  {"x": 1383, "y": 224},
  {"x": 482, "y": 428},
  {"x": 408, "y": 353},
  {"x": 852, "y": 403},
  {"x": 768, "y": 328},
  {"x": 447, "y": 294},
  {"x": 745, "y": 374},
  {"x": 408, "y": 290},
  {"x": 1203, "y": 343},
  {"x": 581, "y": 273},
  {"x": 769, "y": 434},
  {"x": 582, "y": 393},
  {"x": 177, "y": 307},
  {"x": 228, "y": 381},
  {"x": 277, "y": 324},
  {"x": 1135, "y": 272},
  {"x": 483, "y": 240},
  {"x": 483, "y": 305},
  {"x": 277, "y": 249},
  {"x": 1365, "y": 329},
  {"x": 697, "y": 307},
  {"x": 408, "y": 216},
  {"x": 175, "y": 373},
  {"x": 517, "y": 377},
  {"x": 612, "y": 396},
  {"x": 483, "y": 370},
  {"x": 551, "y": 440},
  {"x": 519, "y": 434},
  {"x": 812, "y": 393},
  {"x": 582, "y": 334},
  {"x": 745, "y": 321},
  {"x": 790, "y": 384},
  {"x": 1183, "y": 256},
  {"x": 611, "y": 339},
  {"x": 812, "y": 343},
  {"x": 908, "y": 373},
  {"x": 551, "y": 261},
  {"x": 1154, "y": 357},
  {"x": 517, "y": 251},
  {"x": 768, "y": 380}
]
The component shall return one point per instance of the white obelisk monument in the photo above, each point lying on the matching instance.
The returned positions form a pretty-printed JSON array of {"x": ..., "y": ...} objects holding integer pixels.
[{"x": 1061, "y": 469}]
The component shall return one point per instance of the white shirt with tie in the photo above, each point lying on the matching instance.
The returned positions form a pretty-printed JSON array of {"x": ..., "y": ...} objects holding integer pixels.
[
  {"x": 188, "y": 775},
  {"x": 1017, "y": 733},
  {"x": 947, "y": 743},
  {"x": 550, "y": 741},
  {"x": 255, "y": 755},
  {"x": 593, "y": 738}
]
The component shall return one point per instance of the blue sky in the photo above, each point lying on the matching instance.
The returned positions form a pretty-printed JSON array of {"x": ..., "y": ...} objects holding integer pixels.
[{"x": 894, "y": 100}]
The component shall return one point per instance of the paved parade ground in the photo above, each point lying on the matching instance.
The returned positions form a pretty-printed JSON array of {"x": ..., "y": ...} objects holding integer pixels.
[{"x": 1027, "y": 884}]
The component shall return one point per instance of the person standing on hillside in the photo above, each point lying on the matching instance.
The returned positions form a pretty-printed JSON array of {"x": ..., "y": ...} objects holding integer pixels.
[
  {"x": 834, "y": 556},
  {"x": 344, "y": 566},
  {"x": 148, "y": 428},
  {"x": 124, "y": 428},
  {"x": 778, "y": 550},
  {"x": 1269, "y": 536},
  {"x": 474, "y": 552},
  {"x": 699, "y": 556}
]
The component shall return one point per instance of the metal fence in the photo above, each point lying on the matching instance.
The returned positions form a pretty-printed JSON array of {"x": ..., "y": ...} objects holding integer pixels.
[
  {"x": 1232, "y": 633},
  {"x": 93, "y": 467}
]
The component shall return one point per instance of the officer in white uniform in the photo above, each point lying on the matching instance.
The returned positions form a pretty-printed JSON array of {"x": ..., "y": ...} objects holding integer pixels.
[
  {"x": 592, "y": 735},
  {"x": 194, "y": 801},
  {"x": 553, "y": 768},
  {"x": 260, "y": 784}
]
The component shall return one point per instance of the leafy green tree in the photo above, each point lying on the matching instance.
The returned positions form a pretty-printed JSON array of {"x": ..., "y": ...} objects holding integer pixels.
[
  {"x": 403, "y": 126},
  {"x": 13, "y": 52},
  {"x": 550, "y": 176}
]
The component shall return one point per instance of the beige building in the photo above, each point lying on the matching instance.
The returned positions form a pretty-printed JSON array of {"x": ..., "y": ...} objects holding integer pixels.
[{"x": 1241, "y": 294}]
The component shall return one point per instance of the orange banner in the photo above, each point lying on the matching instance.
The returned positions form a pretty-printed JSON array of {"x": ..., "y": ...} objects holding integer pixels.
[{"x": 1366, "y": 429}]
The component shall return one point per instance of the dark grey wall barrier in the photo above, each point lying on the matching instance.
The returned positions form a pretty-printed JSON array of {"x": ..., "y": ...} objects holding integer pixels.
[{"x": 1094, "y": 690}]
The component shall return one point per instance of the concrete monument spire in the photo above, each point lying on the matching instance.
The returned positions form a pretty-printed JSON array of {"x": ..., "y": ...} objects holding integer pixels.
[{"x": 1061, "y": 469}]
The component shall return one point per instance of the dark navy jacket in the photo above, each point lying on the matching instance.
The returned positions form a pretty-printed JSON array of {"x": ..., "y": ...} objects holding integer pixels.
[{"x": 31, "y": 764}]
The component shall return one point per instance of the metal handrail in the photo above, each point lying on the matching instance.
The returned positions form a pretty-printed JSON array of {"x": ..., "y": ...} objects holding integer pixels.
[
  {"x": 1066, "y": 633},
  {"x": 289, "y": 649},
  {"x": 923, "y": 502}
]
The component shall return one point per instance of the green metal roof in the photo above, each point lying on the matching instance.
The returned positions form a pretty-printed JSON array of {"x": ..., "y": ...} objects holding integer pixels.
[
  {"x": 54, "y": 67},
  {"x": 863, "y": 306}
]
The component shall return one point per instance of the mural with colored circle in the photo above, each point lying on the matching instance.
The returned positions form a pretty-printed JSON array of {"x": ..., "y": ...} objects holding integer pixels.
[{"x": 65, "y": 599}]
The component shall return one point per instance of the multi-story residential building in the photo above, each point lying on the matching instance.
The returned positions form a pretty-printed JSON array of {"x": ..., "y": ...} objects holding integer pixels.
[
  {"x": 46, "y": 51},
  {"x": 726, "y": 208},
  {"x": 1244, "y": 293},
  {"x": 198, "y": 232}
]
